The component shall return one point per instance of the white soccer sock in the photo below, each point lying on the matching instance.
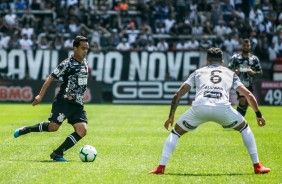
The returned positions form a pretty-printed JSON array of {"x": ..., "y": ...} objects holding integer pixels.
[
  {"x": 169, "y": 147},
  {"x": 250, "y": 143}
]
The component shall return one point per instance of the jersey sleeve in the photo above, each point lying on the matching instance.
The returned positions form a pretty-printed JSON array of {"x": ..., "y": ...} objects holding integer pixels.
[
  {"x": 236, "y": 82},
  {"x": 60, "y": 70},
  {"x": 257, "y": 64},
  {"x": 191, "y": 79},
  {"x": 231, "y": 64}
]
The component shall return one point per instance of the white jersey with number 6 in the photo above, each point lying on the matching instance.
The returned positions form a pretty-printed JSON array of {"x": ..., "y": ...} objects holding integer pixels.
[{"x": 213, "y": 84}]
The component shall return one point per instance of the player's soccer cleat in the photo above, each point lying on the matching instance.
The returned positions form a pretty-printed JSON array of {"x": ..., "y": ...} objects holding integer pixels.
[
  {"x": 19, "y": 132},
  {"x": 56, "y": 157},
  {"x": 159, "y": 170},
  {"x": 260, "y": 169}
]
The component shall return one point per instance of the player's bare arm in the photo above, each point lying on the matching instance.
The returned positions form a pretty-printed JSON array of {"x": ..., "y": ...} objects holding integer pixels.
[
  {"x": 252, "y": 102},
  {"x": 43, "y": 90},
  {"x": 252, "y": 72},
  {"x": 174, "y": 103}
]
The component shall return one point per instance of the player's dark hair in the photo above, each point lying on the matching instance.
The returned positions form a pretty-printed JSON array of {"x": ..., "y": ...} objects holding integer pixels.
[
  {"x": 246, "y": 41},
  {"x": 214, "y": 54},
  {"x": 78, "y": 39}
]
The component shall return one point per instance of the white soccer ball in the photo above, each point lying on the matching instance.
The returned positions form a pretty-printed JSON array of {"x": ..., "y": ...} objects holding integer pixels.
[{"x": 87, "y": 153}]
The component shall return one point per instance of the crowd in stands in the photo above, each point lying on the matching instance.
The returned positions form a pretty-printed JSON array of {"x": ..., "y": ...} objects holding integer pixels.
[{"x": 151, "y": 25}]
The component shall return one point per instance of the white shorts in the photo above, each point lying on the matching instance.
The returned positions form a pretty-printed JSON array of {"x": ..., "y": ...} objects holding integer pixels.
[{"x": 226, "y": 116}]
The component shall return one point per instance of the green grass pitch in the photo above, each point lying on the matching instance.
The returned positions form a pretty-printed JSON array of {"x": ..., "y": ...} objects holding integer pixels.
[{"x": 129, "y": 141}]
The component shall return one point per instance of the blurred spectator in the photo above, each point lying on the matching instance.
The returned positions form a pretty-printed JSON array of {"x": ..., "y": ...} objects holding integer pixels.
[
  {"x": 218, "y": 42},
  {"x": 43, "y": 43},
  {"x": 104, "y": 7},
  {"x": 162, "y": 11},
  {"x": 114, "y": 39},
  {"x": 123, "y": 7},
  {"x": 4, "y": 5},
  {"x": 60, "y": 25},
  {"x": 123, "y": 45},
  {"x": 181, "y": 7},
  {"x": 68, "y": 44},
  {"x": 204, "y": 6},
  {"x": 95, "y": 47},
  {"x": 169, "y": 22},
  {"x": 162, "y": 45},
  {"x": 181, "y": 45},
  {"x": 279, "y": 46},
  {"x": 238, "y": 14},
  {"x": 15, "y": 40},
  {"x": 35, "y": 5},
  {"x": 28, "y": 18},
  {"x": 184, "y": 28},
  {"x": 271, "y": 14},
  {"x": 230, "y": 44},
  {"x": 205, "y": 43},
  {"x": 97, "y": 32},
  {"x": 193, "y": 44},
  {"x": 71, "y": 3},
  {"x": 256, "y": 15},
  {"x": 20, "y": 5},
  {"x": 227, "y": 9},
  {"x": 4, "y": 41},
  {"x": 27, "y": 30},
  {"x": 131, "y": 32},
  {"x": 74, "y": 26},
  {"x": 207, "y": 29},
  {"x": 11, "y": 21},
  {"x": 26, "y": 43},
  {"x": 151, "y": 47},
  {"x": 160, "y": 28},
  {"x": 197, "y": 30},
  {"x": 273, "y": 52},
  {"x": 58, "y": 42},
  {"x": 145, "y": 27},
  {"x": 220, "y": 29},
  {"x": 88, "y": 4}
]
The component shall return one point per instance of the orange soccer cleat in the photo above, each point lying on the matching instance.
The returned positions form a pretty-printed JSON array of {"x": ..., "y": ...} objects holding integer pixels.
[
  {"x": 159, "y": 170},
  {"x": 260, "y": 169}
]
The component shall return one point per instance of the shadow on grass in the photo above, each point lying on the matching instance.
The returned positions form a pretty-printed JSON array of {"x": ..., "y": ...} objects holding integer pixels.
[{"x": 208, "y": 174}]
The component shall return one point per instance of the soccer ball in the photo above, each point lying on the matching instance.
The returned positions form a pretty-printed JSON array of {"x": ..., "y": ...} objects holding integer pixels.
[{"x": 87, "y": 153}]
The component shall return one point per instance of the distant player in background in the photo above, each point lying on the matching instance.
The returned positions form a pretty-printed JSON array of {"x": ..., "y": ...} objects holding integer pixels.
[
  {"x": 213, "y": 84},
  {"x": 68, "y": 103},
  {"x": 246, "y": 66}
]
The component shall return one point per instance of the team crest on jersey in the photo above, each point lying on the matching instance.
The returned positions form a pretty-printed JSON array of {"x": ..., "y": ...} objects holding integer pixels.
[
  {"x": 56, "y": 71},
  {"x": 61, "y": 117}
]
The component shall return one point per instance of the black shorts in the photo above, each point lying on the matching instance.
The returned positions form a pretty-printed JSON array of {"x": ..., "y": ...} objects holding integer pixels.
[
  {"x": 250, "y": 88},
  {"x": 62, "y": 110}
]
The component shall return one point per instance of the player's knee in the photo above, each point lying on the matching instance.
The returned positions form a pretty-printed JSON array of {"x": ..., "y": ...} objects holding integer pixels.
[
  {"x": 241, "y": 126},
  {"x": 178, "y": 130},
  {"x": 53, "y": 127},
  {"x": 81, "y": 132}
]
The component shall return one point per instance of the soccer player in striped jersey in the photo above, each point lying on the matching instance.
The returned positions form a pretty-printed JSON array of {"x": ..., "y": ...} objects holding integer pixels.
[
  {"x": 213, "y": 84},
  {"x": 68, "y": 103},
  {"x": 247, "y": 67}
]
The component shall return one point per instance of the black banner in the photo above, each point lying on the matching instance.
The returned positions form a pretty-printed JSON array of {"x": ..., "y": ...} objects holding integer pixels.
[
  {"x": 268, "y": 92},
  {"x": 26, "y": 90}
]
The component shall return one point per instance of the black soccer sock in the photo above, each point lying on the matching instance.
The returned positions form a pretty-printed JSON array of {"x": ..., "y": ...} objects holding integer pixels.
[
  {"x": 40, "y": 127},
  {"x": 242, "y": 110},
  {"x": 70, "y": 141}
]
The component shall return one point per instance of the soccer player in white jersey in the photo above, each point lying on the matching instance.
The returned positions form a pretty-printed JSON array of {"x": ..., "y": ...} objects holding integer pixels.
[{"x": 213, "y": 84}]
